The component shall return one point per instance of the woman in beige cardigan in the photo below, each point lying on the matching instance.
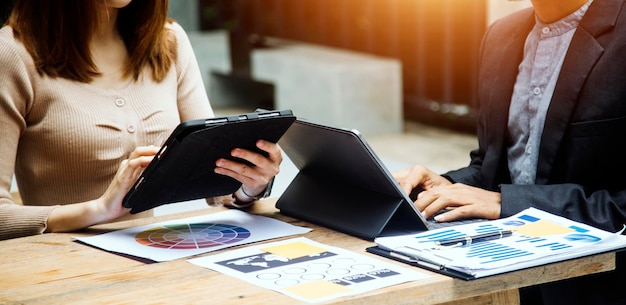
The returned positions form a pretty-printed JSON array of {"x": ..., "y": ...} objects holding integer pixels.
[{"x": 87, "y": 87}]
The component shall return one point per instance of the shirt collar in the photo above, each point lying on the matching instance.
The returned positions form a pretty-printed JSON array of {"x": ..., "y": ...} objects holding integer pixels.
[{"x": 563, "y": 25}]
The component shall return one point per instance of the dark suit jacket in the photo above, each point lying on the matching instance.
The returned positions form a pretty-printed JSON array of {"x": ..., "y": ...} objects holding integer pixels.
[{"x": 582, "y": 157}]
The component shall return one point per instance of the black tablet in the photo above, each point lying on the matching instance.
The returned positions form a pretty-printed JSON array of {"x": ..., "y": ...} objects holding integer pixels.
[
  {"x": 343, "y": 185},
  {"x": 184, "y": 167}
]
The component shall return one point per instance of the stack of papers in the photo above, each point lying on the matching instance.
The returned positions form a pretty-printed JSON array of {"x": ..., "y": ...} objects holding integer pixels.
[{"x": 527, "y": 239}]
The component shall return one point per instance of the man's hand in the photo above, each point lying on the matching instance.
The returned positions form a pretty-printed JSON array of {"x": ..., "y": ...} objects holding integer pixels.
[
  {"x": 461, "y": 201},
  {"x": 439, "y": 193},
  {"x": 419, "y": 176}
]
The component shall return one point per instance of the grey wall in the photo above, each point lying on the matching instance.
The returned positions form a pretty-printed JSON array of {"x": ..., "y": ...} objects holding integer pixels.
[{"x": 186, "y": 13}]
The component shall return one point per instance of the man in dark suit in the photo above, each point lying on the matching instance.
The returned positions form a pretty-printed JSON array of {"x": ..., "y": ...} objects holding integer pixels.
[{"x": 551, "y": 130}]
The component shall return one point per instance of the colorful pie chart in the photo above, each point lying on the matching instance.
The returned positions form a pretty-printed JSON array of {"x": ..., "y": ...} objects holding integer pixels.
[{"x": 192, "y": 236}]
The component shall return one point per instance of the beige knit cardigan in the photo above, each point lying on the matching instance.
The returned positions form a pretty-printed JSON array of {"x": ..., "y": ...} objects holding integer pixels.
[{"x": 64, "y": 140}]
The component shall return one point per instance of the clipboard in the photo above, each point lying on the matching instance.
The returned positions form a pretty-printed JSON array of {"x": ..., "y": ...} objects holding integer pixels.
[
  {"x": 527, "y": 239},
  {"x": 419, "y": 263},
  {"x": 183, "y": 169}
]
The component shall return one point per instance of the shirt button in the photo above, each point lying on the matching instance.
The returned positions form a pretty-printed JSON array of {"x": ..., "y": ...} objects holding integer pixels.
[
  {"x": 119, "y": 102},
  {"x": 545, "y": 30},
  {"x": 537, "y": 90},
  {"x": 131, "y": 128}
]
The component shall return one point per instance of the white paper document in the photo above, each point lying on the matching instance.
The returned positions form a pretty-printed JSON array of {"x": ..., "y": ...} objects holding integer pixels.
[
  {"x": 307, "y": 270},
  {"x": 180, "y": 238},
  {"x": 537, "y": 238}
]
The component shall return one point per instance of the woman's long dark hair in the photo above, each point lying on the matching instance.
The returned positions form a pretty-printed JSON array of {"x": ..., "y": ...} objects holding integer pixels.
[{"x": 57, "y": 34}]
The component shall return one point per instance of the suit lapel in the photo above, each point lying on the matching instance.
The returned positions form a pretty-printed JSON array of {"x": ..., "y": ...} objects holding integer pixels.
[
  {"x": 502, "y": 67},
  {"x": 507, "y": 65},
  {"x": 582, "y": 55}
]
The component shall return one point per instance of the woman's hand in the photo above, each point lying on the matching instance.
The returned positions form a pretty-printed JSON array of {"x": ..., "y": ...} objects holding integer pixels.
[
  {"x": 128, "y": 172},
  {"x": 254, "y": 178},
  {"x": 77, "y": 216}
]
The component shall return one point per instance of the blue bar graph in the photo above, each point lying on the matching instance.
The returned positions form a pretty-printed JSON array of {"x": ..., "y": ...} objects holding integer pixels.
[
  {"x": 441, "y": 235},
  {"x": 487, "y": 228},
  {"x": 493, "y": 252}
]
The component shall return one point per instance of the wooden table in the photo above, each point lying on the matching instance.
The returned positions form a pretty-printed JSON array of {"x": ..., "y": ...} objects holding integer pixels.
[{"x": 54, "y": 269}]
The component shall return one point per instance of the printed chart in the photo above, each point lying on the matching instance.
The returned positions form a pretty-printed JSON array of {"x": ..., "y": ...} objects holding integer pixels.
[
  {"x": 180, "y": 238},
  {"x": 533, "y": 237},
  {"x": 535, "y": 240},
  {"x": 192, "y": 236},
  {"x": 308, "y": 271}
]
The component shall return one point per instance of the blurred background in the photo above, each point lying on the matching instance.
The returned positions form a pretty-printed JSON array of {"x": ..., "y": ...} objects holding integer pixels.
[
  {"x": 403, "y": 72},
  {"x": 435, "y": 43},
  {"x": 429, "y": 47}
]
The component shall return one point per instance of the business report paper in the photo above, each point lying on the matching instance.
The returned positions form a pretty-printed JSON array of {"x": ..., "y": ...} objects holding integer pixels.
[
  {"x": 308, "y": 271},
  {"x": 537, "y": 238}
]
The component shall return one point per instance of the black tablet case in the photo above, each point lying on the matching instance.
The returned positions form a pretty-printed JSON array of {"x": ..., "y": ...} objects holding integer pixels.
[
  {"x": 341, "y": 184},
  {"x": 184, "y": 167}
]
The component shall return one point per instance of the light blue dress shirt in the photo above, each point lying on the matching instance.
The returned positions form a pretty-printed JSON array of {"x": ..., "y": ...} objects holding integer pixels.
[{"x": 544, "y": 52}]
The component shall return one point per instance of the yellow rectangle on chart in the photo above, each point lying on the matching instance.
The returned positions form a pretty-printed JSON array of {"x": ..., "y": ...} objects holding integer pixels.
[
  {"x": 294, "y": 250},
  {"x": 317, "y": 289},
  {"x": 542, "y": 228}
]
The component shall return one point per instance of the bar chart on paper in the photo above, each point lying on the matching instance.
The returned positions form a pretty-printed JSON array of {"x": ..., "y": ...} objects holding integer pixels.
[{"x": 526, "y": 239}]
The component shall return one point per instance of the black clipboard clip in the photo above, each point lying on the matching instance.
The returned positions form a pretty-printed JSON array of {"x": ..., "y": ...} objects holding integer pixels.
[{"x": 419, "y": 263}]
